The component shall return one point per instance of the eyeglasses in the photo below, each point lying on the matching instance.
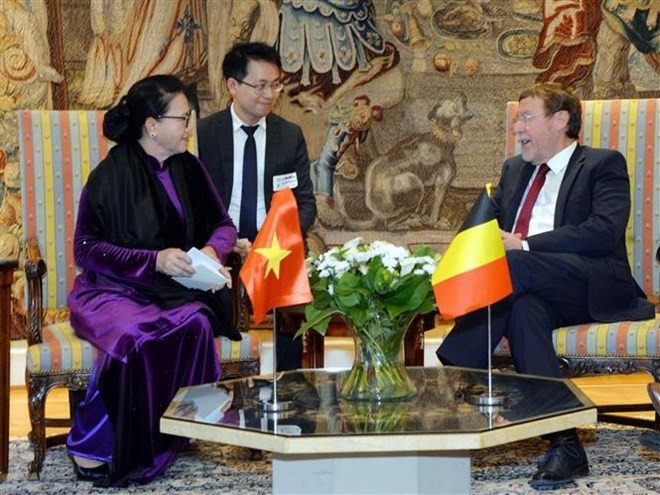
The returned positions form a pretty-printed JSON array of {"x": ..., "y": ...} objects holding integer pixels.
[
  {"x": 526, "y": 118},
  {"x": 261, "y": 88},
  {"x": 185, "y": 118}
]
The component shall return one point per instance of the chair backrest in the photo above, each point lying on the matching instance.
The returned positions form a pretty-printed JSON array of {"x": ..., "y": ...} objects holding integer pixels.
[
  {"x": 633, "y": 128},
  {"x": 58, "y": 149}
]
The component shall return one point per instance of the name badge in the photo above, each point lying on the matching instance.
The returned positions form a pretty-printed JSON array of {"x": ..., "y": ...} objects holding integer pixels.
[{"x": 285, "y": 180}]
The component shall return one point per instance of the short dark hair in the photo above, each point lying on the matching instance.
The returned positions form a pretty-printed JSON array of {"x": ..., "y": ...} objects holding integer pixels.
[
  {"x": 235, "y": 63},
  {"x": 556, "y": 98},
  {"x": 149, "y": 97}
]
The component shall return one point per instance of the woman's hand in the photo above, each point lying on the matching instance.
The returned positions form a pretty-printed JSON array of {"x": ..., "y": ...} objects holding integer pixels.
[
  {"x": 227, "y": 275},
  {"x": 210, "y": 252},
  {"x": 174, "y": 262}
]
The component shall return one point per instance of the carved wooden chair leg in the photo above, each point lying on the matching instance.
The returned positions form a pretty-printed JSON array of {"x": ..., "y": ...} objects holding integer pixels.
[{"x": 37, "y": 436}]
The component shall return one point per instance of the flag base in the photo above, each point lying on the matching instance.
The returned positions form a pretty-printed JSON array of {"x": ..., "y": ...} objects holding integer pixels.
[
  {"x": 484, "y": 399},
  {"x": 277, "y": 407}
]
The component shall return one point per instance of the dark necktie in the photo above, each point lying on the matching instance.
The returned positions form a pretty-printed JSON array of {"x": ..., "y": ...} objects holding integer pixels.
[
  {"x": 248, "y": 216},
  {"x": 522, "y": 225}
]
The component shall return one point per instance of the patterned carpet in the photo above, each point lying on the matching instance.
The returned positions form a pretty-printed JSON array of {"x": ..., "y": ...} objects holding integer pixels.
[{"x": 619, "y": 465}]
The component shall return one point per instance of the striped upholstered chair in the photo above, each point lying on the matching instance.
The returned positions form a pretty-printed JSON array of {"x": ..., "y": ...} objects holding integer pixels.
[
  {"x": 58, "y": 150},
  {"x": 632, "y": 127}
]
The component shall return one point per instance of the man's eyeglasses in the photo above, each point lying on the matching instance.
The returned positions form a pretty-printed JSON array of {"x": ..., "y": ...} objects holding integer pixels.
[
  {"x": 184, "y": 118},
  {"x": 261, "y": 88},
  {"x": 526, "y": 118}
]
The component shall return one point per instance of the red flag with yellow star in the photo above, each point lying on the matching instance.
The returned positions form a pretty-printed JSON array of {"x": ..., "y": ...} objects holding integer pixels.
[{"x": 274, "y": 272}]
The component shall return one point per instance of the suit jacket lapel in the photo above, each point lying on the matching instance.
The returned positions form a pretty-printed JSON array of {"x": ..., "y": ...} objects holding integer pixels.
[
  {"x": 273, "y": 143},
  {"x": 225, "y": 133},
  {"x": 573, "y": 168}
]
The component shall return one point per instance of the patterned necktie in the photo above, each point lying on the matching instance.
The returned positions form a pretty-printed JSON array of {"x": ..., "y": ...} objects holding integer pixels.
[
  {"x": 522, "y": 225},
  {"x": 248, "y": 217}
]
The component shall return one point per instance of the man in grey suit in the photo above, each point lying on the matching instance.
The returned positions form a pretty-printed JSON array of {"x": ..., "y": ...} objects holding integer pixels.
[
  {"x": 248, "y": 135},
  {"x": 562, "y": 210}
]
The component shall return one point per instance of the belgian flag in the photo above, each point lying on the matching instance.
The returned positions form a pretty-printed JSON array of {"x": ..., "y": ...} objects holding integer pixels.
[{"x": 473, "y": 272}]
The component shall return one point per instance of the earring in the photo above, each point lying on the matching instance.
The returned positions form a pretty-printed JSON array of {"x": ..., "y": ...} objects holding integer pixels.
[{"x": 153, "y": 136}]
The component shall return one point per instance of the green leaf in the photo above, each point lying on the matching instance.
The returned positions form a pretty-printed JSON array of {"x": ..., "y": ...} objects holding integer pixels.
[
  {"x": 408, "y": 299},
  {"x": 316, "y": 319},
  {"x": 424, "y": 250},
  {"x": 347, "y": 284},
  {"x": 428, "y": 306},
  {"x": 349, "y": 300}
]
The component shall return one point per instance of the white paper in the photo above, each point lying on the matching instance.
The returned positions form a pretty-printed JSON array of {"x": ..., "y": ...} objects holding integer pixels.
[
  {"x": 210, "y": 404},
  {"x": 207, "y": 275},
  {"x": 291, "y": 430}
]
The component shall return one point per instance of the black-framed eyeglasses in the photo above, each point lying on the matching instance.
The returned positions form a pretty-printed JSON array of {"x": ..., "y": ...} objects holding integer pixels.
[
  {"x": 261, "y": 88},
  {"x": 184, "y": 118}
]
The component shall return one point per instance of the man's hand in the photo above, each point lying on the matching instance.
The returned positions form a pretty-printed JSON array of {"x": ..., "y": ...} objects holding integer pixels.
[
  {"x": 511, "y": 241},
  {"x": 242, "y": 247}
]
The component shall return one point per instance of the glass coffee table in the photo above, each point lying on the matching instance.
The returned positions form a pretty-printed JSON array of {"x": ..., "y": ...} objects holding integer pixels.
[{"x": 325, "y": 444}]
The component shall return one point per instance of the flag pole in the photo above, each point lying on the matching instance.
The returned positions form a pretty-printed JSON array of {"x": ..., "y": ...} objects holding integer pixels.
[
  {"x": 489, "y": 399},
  {"x": 490, "y": 359},
  {"x": 274, "y": 359},
  {"x": 275, "y": 406}
]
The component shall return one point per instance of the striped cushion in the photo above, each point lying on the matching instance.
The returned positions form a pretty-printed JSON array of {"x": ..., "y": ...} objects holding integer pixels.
[
  {"x": 629, "y": 339},
  {"x": 61, "y": 350},
  {"x": 623, "y": 338},
  {"x": 231, "y": 350},
  {"x": 58, "y": 150},
  {"x": 633, "y": 128}
]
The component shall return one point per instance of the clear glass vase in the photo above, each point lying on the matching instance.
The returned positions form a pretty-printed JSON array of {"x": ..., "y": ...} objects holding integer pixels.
[{"x": 379, "y": 371}]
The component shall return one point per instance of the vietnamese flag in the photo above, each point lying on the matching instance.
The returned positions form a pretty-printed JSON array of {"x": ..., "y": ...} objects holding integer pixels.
[
  {"x": 274, "y": 272},
  {"x": 473, "y": 272}
]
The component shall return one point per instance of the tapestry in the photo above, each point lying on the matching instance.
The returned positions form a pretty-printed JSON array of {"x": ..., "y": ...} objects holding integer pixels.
[{"x": 401, "y": 101}]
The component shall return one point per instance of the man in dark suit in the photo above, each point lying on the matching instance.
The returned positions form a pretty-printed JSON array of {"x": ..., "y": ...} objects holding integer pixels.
[
  {"x": 562, "y": 210},
  {"x": 279, "y": 157}
]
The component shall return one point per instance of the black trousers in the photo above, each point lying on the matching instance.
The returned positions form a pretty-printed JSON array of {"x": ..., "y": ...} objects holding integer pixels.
[
  {"x": 549, "y": 290},
  {"x": 289, "y": 352}
]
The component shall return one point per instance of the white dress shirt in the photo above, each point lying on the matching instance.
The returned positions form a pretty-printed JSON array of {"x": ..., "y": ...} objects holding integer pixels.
[
  {"x": 240, "y": 137},
  {"x": 543, "y": 213}
]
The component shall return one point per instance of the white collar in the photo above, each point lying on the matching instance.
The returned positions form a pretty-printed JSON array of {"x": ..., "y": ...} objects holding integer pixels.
[{"x": 236, "y": 121}]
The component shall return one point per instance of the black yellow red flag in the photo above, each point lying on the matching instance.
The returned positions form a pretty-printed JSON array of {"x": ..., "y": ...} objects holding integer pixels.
[{"x": 473, "y": 272}]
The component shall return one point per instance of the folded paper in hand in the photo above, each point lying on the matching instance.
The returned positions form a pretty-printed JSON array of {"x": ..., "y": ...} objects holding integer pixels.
[{"x": 207, "y": 274}]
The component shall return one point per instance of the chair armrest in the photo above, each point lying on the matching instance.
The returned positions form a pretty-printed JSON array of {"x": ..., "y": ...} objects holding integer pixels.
[
  {"x": 34, "y": 269},
  {"x": 240, "y": 299}
]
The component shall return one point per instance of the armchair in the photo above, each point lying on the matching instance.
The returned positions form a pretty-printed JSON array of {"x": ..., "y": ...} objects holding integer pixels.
[
  {"x": 631, "y": 126},
  {"x": 58, "y": 150}
]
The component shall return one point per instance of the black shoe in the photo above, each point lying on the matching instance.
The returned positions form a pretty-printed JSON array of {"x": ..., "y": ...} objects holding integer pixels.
[
  {"x": 90, "y": 474},
  {"x": 562, "y": 463}
]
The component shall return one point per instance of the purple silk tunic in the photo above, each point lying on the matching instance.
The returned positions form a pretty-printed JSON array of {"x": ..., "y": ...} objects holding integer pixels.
[{"x": 156, "y": 350}]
